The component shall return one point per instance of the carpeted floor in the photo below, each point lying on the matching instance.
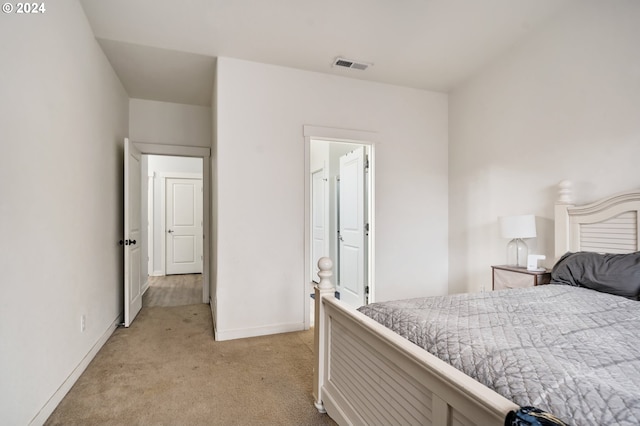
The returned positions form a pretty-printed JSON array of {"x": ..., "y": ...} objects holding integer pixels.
[
  {"x": 166, "y": 369},
  {"x": 173, "y": 290}
]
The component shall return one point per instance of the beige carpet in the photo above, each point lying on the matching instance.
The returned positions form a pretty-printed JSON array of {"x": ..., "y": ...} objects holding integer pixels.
[
  {"x": 166, "y": 369},
  {"x": 173, "y": 290}
]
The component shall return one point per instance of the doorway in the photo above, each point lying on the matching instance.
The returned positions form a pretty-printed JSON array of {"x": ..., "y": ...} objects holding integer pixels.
[
  {"x": 340, "y": 212},
  {"x": 340, "y": 215},
  {"x": 150, "y": 240},
  {"x": 175, "y": 215},
  {"x": 175, "y": 211}
]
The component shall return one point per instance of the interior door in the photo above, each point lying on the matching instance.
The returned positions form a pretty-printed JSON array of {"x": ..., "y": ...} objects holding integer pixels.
[
  {"x": 132, "y": 233},
  {"x": 351, "y": 235},
  {"x": 183, "y": 226},
  {"x": 319, "y": 220}
]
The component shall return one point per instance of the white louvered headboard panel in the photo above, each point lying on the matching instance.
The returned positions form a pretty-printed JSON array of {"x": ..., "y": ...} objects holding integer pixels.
[
  {"x": 606, "y": 226},
  {"x": 616, "y": 235}
]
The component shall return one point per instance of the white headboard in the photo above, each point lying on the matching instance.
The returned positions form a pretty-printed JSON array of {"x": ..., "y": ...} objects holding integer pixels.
[{"x": 610, "y": 225}]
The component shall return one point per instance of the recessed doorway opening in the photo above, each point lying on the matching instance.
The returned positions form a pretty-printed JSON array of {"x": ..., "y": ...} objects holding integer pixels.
[
  {"x": 175, "y": 215},
  {"x": 175, "y": 230},
  {"x": 140, "y": 235},
  {"x": 340, "y": 215}
]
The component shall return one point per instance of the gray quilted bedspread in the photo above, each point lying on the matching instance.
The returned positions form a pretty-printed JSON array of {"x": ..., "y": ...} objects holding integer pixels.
[{"x": 568, "y": 350}]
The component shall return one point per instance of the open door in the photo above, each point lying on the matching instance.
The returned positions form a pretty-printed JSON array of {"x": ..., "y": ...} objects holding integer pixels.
[
  {"x": 352, "y": 227},
  {"x": 132, "y": 233}
]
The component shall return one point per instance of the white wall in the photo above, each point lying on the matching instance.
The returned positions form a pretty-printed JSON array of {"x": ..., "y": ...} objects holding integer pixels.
[
  {"x": 261, "y": 111},
  {"x": 169, "y": 123},
  {"x": 63, "y": 117},
  {"x": 563, "y": 105}
]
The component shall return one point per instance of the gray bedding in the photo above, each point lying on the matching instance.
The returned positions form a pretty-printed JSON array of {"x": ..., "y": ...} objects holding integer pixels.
[{"x": 572, "y": 351}]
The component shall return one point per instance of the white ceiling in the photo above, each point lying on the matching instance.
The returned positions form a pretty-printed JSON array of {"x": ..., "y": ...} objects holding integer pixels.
[{"x": 165, "y": 49}]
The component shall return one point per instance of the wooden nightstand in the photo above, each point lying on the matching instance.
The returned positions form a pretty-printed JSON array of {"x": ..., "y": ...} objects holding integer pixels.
[{"x": 513, "y": 277}]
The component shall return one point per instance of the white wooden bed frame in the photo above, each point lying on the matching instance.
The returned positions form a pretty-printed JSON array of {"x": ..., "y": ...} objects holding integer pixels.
[{"x": 367, "y": 374}]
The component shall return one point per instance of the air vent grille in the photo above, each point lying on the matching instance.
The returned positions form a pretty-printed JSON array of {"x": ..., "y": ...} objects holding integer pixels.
[
  {"x": 347, "y": 63},
  {"x": 358, "y": 66},
  {"x": 343, "y": 63}
]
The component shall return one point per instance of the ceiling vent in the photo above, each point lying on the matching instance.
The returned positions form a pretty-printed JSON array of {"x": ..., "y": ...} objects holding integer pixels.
[{"x": 347, "y": 63}]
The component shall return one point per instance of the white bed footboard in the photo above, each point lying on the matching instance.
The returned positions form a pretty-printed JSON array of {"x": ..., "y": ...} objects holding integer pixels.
[{"x": 367, "y": 374}]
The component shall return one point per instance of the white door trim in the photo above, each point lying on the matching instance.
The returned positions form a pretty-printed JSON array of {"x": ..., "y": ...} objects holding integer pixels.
[
  {"x": 205, "y": 154},
  {"x": 362, "y": 137}
]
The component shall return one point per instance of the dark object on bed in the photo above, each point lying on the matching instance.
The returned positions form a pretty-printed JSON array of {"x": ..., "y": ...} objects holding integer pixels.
[
  {"x": 617, "y": 274},
  {"x": 531, "y": 416}
]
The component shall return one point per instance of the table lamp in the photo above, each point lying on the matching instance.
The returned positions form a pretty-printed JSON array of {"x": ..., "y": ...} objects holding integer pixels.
[{"x": 516, "y": 228}]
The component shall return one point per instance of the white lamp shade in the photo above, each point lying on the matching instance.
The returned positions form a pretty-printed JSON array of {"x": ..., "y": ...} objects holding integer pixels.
[{"x": 523, "y": 226}]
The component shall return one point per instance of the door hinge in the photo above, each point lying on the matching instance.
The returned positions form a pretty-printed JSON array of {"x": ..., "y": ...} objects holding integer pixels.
[
  {"x": 366, "y": 163},
  {"x": 366, "y": 290},
  {"x": 366, "y": 227}
]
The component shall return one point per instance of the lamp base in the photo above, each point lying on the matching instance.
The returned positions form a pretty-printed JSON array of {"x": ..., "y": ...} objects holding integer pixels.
[{"x": 517, "y": 252}]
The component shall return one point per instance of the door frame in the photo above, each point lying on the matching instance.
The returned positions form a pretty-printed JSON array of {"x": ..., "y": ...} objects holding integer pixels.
[
  {"x": 361, "y": 137},
  {"x": 205, "y": 155}
]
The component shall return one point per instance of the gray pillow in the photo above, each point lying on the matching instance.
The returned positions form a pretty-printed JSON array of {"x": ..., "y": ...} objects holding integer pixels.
[{"x": 609, "y": 273}]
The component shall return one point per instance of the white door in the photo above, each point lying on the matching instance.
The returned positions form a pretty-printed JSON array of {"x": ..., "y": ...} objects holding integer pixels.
[
  {"x": 150, "y": 180},
  {"x": 352, "y": 228},
  {"x": 183, "y": 226},
  {"x": 132, "y": 233},
  {"x": 319, "y": 220}
]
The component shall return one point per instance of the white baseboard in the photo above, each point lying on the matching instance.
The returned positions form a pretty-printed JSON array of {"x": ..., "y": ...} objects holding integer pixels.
[
  {"x": 65, "y": 387},
  {"x": 257, "y": 331}
]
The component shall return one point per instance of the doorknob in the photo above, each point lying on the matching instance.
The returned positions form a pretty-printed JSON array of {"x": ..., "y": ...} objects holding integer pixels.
[
  {"x": 127, "y": 242},
  {"x": 170, "y": 231}
]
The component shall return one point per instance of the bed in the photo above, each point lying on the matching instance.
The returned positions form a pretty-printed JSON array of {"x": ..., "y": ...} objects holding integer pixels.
[{"x": 366, "y": 373}]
